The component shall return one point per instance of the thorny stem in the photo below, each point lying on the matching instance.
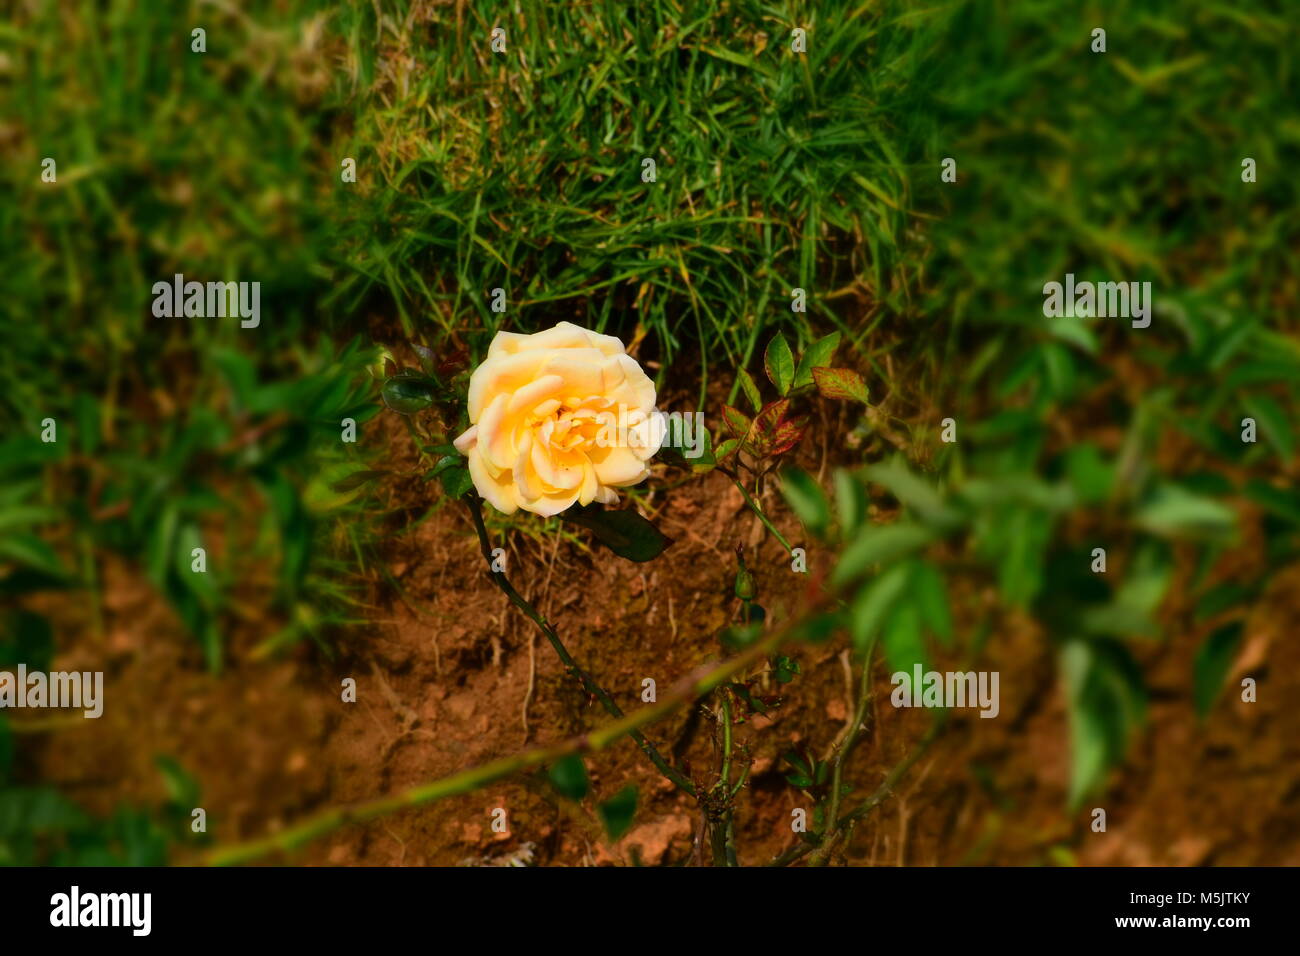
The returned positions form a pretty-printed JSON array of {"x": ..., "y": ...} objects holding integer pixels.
[
  {"x": 724, "y": 853},
  {"x": 724, "y": 781},
  {"x": 744, "y": 775},
  {"x": 878, "y": 796},
  {"x": 691, "y": 688},
  {"x": 753, "y": 506},
  {"x": 822, "y": 854},
  {"x": 518, "y": 600}
]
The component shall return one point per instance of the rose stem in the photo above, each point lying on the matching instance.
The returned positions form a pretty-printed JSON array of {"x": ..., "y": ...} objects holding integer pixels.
[{"x": 499, "y": 577}]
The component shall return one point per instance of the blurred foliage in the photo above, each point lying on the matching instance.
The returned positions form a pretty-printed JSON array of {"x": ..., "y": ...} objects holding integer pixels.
[
  {"x": 523, "y": 171},
  {"x": 39, "y": 826},
  {"x": 1072, "y": 434},
  {"x": 1013, "y": 527},
  {"x": 212, "y": 165},
  {"x": 170, "y": 433}
]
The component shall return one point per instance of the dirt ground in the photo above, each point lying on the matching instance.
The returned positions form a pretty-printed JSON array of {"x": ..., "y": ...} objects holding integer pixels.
[{"x": 450, "y": 676}]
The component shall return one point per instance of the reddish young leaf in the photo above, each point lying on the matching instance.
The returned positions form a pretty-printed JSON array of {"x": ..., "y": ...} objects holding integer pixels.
[
  {"x": 737, "y": 422},
  {"x": 841, "y": 383},
  {"x": 789, "y": 433},
  {"x": 454, "y": 362},
  {"x": 766, "y": 423}
]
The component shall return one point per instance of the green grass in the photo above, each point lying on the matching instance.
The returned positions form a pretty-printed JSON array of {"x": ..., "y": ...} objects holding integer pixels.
[{"x": 522, "y": 170}]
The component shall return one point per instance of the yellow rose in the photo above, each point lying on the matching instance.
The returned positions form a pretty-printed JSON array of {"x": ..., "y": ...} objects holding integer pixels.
[{"x": 558, "y": 417}]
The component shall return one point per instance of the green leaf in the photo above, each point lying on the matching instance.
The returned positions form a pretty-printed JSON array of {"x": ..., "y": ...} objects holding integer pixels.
[
  {"x": 914, "y": 492},
  {"x": 850, "y": 501},
  {"x": 817, "y": 355},
  {"x": 842, "y": 384},
  {"x": 1090, "y": 475},
  {"x": 902, "y": 640},
  {"x": 446, "y": 461},
  {"x": 1016, "y": 539},
  {"x": 1073, "y": 332},
  {"x": 1284, "y": 504},
  {"x": 32, "y": 551},
  {"x": 335, "y": 486},
  {"x": 28, "y": 811},
  {"x": 1147, "y": 578},
  {"x": 203, "y": 584},
  {"x": 456, "y": 481},
  {"x": 1273, "y": 422},
  {"x": 240, "y": 374},
  {"x": 428, "y": 360},
  {"x": 86, "y": 410},
  {"x": 625, "y": 533},
  {"x": 726, "y": 449},
  {"x": 1018, "y": 490},
  {"x": 805, "y": 499},
  {"x": 1213, "y": 661},
  {"x": 878, "y": 544},
  {"x": 182, "y": 788},
  {"x": 1106, "y": 702},
  {"x": 797, "y": 760},
  {"x": 748, "y": 386},
  {"x": 785, "y": 669},
  {"x": 569, "y": 777},
  {"x": 617, "y": 812},
  {"x": 357, "y": 479},
  {"x": 1174, "y": 512},
  {"x": 407, "y": 393},
  {"x": 931, "y": 598},
  {"x": 1218, "y": 599},
  {"x": 873, "y": 603},
  {"x": 778, "y": 360},
  {"x": 699, "y": 455}
]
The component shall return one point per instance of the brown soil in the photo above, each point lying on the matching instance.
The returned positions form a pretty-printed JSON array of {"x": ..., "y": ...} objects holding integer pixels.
[{"x": 444, "y": 677}]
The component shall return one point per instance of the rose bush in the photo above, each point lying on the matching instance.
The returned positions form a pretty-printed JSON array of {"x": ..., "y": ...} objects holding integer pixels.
[{"x": 558, "y": 418}]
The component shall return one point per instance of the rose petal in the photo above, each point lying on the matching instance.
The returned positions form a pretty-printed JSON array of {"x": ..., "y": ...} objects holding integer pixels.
[
  {"x": 533, "y": 394},
  {"x": 501, "y": 374},
  {"x": 496, "y": 438},
  {"x": 580, "y": 369},
  {"x": 465, "y": 443},
  {"x": 498, "y": 492},
  {"x": 618, "y": 466}
]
